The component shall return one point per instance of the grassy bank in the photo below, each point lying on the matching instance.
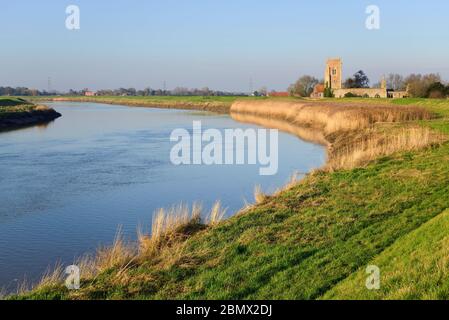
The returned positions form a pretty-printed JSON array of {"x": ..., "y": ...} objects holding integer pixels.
[
  {"x": 17, "y": 112},
  {"x": 385, "y": 206},
  {"x": 212, "y": 104}
]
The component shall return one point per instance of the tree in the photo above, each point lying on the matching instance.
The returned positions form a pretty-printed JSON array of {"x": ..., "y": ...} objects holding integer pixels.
[
  {"x": 303, "y": 87},
  {"x": 418, "y": 85},
  {"x": 436, "y": 90},
  {"x": 395, "y": 82},
  {"x": 328, "y": 92},
  {"x": 359, "y": 80}
]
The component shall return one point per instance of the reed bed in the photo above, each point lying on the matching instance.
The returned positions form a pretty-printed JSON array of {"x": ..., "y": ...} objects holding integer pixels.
[
  {"x": 373, "y": 145},
  {"x": 331, "y": 117},
  {"x": 353, "y": 133}
]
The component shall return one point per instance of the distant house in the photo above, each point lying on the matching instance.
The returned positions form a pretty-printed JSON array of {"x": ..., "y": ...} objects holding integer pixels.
[
  {"x": 397, "y": 94},
  {"x": 318, "y": 91},
  {"x": 278, "y": 94},
  {"x": 90, "y": 94}
]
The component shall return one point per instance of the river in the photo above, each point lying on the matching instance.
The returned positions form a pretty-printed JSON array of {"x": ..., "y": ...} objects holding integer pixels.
[{"x": 66, "y": 187}]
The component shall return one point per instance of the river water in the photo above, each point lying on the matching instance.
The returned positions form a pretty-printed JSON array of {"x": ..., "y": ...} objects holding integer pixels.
[{"x": 66, "y": 187}]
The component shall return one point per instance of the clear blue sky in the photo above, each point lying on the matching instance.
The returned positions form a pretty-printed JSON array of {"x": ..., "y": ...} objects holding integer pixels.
[{"x": 215, "y": 43}]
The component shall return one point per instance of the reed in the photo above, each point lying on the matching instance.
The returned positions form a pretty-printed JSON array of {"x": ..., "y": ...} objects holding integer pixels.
[
  {"x": 259, "y": 195},
  {"x": 331, "y": 117},
  {"x": 354, "y": 134},
  {"x": 374, "y": 144}
]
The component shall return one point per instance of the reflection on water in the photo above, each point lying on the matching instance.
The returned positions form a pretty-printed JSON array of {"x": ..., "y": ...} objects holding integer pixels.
[
  {"x": 307, "y": 134},
  {"x": 66, "y": 187}
]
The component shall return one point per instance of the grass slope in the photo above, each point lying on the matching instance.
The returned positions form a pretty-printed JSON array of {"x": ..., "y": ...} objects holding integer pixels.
[
  {"x": 415, "y": 267},
  {"x": 312, "y": 241}
]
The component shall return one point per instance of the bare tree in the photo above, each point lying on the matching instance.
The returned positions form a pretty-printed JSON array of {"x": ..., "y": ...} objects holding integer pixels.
[
  {"x": 395, "y": 82},
  {"x": 303, "y": 87},
  {"x": 418, "y": 85}
]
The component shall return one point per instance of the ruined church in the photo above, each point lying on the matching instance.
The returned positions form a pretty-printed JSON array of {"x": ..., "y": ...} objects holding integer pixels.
[{"x": 333, "y": 78}]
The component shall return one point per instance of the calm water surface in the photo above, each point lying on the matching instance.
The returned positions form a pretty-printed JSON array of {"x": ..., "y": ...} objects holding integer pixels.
[{"x": 66, "y": 187}]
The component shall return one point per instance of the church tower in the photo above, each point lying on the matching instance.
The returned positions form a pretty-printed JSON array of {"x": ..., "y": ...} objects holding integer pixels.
[{"x": 334, "y": 74}]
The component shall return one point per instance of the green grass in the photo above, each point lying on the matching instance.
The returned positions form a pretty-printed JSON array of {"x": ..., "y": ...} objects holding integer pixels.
[
  {"x": 12, "y": 101},
  {"x": 313, "y": 241},
  {"x": 220, "y": 104},
  {"x": 415, "y": 267},
  {"x": 11, "y": 105}
]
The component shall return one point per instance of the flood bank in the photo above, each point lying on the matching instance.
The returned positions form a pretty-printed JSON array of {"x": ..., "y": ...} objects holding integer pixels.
[{"x": 182, "y": 104}]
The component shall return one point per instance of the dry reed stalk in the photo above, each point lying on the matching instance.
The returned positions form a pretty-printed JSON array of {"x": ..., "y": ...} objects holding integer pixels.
[
  {"x": 259, "y": 195},
  {"x": 119, "y": 254},
  {"x": 165, "y": 226},
  {"x": 217, "y": 214}
]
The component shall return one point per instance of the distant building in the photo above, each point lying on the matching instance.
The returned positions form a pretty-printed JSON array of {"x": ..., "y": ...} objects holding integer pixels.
[
  {"x": 90, "y": 94},
  {"x": 397, "y": 94},
  {"x": 333, "y": 78},
  {"x": 278, "y": 94},
  {"x": 318, "y": 91}
]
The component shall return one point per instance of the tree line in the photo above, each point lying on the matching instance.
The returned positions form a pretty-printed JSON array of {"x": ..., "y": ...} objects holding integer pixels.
[{"x": 22, "y": 91}]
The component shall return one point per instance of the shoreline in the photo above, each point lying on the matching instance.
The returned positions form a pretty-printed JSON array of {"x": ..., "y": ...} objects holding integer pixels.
[
  {"x": 18, "y": 120},
  {"x": 213, "y": 106}
]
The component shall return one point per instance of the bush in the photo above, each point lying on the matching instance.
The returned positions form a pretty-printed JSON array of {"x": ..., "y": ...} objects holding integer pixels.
[
  {"x": 351, "y": 95},
  {"x": 436, "y": 91},
  {"x": 328, "y": 92}
]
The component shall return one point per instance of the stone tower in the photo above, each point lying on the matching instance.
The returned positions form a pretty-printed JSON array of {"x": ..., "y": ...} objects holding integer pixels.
[
  {"x": 383, "y": 83},
  {"x": 334, "y": 74}
]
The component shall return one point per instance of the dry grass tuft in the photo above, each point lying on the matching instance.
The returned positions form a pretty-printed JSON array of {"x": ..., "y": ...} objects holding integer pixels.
[
  {"x": 51, "y": 276},
  {"x": 217, "y": 214},
  {"x": 118, "y": 255},
  {"x": 168, "y": 227},
  {"x": 41, "y": 108},
  {"x": 259, "y": 195}
]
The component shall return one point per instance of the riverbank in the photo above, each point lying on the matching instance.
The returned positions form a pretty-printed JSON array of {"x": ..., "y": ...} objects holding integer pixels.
[
  {"x": 380, "y": 199},
  {"x": 211, "y": 104},
  {"x": 17, "y": 113}
]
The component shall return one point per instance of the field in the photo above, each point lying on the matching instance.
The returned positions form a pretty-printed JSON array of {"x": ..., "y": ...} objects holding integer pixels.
[{"x": 313, "y": 240}]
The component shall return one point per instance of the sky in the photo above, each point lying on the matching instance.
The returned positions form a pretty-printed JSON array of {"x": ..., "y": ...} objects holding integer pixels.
[{"x": 221, "y": 44}]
